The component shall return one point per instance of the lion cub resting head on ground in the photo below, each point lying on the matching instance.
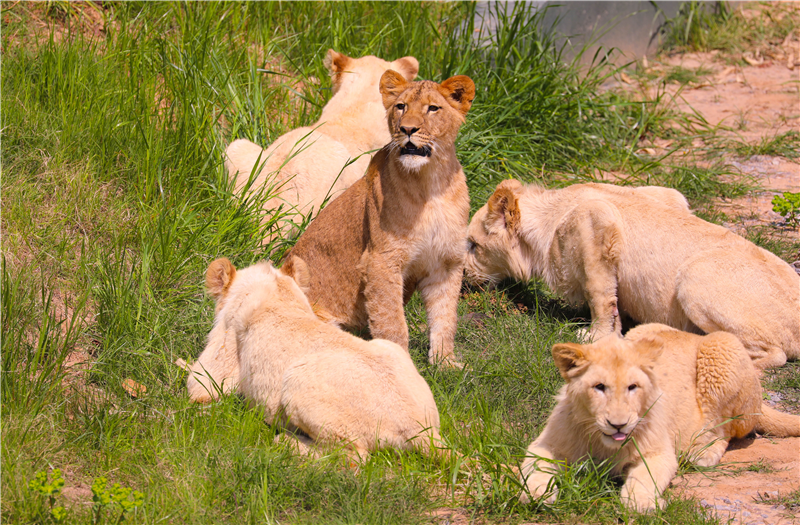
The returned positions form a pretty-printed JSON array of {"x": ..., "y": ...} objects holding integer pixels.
[
  {"x": 640, "y": 252},
  {"x": 268, "y": 345},
  {"x": 641, "y": 399},
  {"x": 308, "y": 163},
  {"x": 403, "y": 226}
]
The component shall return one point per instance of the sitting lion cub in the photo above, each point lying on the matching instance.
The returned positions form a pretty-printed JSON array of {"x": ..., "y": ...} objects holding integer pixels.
[
  {"x": 641, "y": 399},
  {"x": 308, "y": 163},
  {"x": 403, "y": 226},
  {"x": 268, "y": 345},
  {"x": 639, "y": 251}
]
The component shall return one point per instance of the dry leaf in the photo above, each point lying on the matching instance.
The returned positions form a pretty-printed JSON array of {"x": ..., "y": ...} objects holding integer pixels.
[
  {"x": 625, "y": 78},
  {"x": 752, "y": 61},
  {"x": 788, "y": 39},
  {"x": 133, "y": 388},
  {"x": 727, "y": 71},
  {"x": 648, "y": 151}
]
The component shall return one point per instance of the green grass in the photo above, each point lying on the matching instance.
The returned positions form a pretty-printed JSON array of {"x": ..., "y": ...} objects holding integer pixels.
[
  {"x": 706, "y": 26},
  {"x": 682, "y": 75},
  {"x": 114, "y": 201}
]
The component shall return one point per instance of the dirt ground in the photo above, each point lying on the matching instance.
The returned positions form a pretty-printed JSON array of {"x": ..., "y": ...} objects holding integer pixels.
[{"x": 759, "y": 102}]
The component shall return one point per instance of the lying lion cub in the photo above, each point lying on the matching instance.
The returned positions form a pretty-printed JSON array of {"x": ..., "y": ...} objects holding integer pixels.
[
  {"x": 308, "y": 163},
  {"x": 641, "y": 252},
  {"x": 641, "y": 399},
  {"x": 268, "y": 345},
  {"x": 403, "y": 226}
]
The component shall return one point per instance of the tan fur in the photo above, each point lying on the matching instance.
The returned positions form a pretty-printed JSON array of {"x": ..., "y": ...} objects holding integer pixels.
[
  {"x": 400, "y": 228},
  {"x": 639, "y": 251},
  {"x": 660, "y": 391},
  {"x": 309, "y": 163},
  {"x": 268, "y": 345}
]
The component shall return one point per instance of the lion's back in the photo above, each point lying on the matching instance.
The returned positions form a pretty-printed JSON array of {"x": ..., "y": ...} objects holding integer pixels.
[{"x": 332, "y": 246}]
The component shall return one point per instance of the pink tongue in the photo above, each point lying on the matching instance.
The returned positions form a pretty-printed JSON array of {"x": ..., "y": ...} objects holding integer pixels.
[{"x": 619, "y": 436}]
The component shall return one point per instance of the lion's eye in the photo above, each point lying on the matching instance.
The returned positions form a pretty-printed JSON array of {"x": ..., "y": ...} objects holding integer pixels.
[
  {"x": 600, "y": 387},
  {"x": 433, "y": 108},
  {"x": 400, "y": 107},
  {"x": 471, "y": 245},
  {"x": 633, "y": 387}
]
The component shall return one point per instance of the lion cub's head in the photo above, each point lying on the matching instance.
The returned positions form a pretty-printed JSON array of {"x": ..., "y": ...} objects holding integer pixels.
[
  {"x": 494, "y": 250},
  {"x": 424, "y": 116},
  {"x": 241, "y": 294},
  {"x": 352, "y": 73},
  {"x": 610, "y": 386}
]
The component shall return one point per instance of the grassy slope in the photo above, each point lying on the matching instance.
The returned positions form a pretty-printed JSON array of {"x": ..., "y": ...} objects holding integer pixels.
[{"x": 115, "y": 200}]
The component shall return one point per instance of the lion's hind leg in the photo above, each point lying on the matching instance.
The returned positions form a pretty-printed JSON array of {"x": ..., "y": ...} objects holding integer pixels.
[
  {"x": 728, "y": 390},
  {"x": 717, "y": 293}
]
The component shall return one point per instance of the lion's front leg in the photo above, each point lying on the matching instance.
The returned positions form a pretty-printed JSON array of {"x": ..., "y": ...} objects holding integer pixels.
[
  {"x": 440, "y": 295},
  {"x": 600, "y": 289},
  {"x": 383, "y": 294},
  {"x": 647, "y": 480},
  {"x": 537, "y": 471}
]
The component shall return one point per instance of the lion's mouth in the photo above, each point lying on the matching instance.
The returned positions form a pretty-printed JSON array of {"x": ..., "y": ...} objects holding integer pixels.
[
  {"x": 619, "y": 436},
  {"x": 411, "y": 149}
]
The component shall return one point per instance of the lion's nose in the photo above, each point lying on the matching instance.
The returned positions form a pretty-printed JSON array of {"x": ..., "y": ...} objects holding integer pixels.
[
  {"x": 408, "y": 130},
  {"x": 618, "y": 426}
]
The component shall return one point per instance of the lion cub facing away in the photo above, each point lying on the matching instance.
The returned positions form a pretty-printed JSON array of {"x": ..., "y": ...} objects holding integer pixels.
[
  {"x": 641, "y": 252},
  {"x": 268, "y": 345},
  {"x": 308, "y": 163},
  {"x": 641, "y": 399},
  {"x": 403, "y": 226}
]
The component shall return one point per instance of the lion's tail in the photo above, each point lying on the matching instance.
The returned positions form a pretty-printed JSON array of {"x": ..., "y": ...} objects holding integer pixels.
[{"x": 775, "y": 423}]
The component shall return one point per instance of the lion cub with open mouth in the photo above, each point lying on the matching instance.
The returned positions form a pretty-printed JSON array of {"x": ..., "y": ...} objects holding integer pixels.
[
  {"x": 640, "y": 400},
  {"x": 268, "y": 345},
  {"x": 403, "y": 226}
]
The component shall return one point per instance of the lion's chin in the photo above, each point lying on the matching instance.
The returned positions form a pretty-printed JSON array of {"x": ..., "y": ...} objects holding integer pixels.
[{"x": 413, "y": 162}]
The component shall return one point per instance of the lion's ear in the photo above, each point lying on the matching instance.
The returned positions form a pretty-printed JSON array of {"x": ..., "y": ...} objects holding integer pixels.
[
  {"x": 336, "y": 62},
  {"x": 407, "y": 66},
  {"x": 297, "y": 269},
  {"x": 219, "y": 276},
  {"x": 510, "y": 184},
  {"x": 302, "y": 275},
  {"x": 459, "y": 92},
  {"x": 503, "y": 209},
  {"x": 650, "y": 348},
  {"x": 567, "y": 357},
  {"x": 392, "y": 85}
]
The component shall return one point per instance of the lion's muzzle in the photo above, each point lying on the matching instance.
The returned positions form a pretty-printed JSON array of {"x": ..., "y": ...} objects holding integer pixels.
[{"x": 411, "y": 149}]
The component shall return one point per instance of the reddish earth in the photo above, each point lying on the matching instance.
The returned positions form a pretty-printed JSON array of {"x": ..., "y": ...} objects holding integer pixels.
[
  {"x": 758, "y": 103},
  {"x": 734, "y": 493}
]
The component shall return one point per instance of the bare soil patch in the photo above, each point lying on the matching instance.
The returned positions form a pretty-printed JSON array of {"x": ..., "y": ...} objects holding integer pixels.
[
  {"x": 741, "y": 495},
  {"x": 757, "y": 103}
]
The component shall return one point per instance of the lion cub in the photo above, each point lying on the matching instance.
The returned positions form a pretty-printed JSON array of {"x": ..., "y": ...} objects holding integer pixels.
[
  {"x": 403, "y": 226},
  {"x": 639, "y": 251},
  {"x": 268, "y": 345},
  {"x": 641, "y": 399},
  {"x": 308, "y": 163}
]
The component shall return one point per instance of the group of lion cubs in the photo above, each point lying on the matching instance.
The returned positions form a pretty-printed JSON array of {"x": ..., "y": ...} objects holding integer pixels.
[{"x": 404, "y": 225}]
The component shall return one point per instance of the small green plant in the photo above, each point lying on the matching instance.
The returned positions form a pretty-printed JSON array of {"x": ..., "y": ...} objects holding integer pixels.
[
  {"x": 50, "y": 490},
  {"x": 788, "y": 206},
  {"x": 107, "y": 498}
]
